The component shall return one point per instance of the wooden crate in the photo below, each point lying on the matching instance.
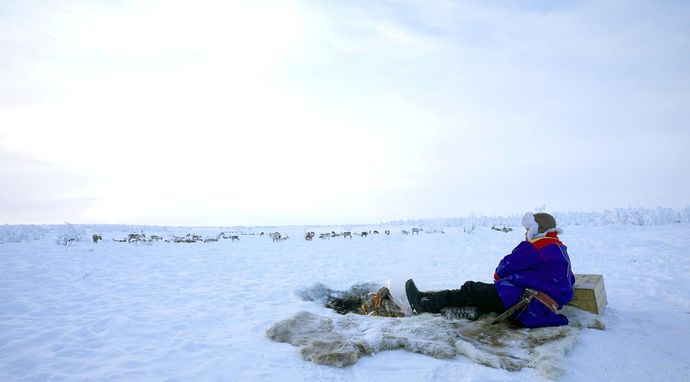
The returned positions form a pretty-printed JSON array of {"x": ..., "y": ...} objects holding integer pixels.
[{"x": 589, "y": 293}]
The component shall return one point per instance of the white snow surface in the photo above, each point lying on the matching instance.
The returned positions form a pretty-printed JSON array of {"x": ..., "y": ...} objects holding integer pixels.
[{"x": 116, "y": 311}]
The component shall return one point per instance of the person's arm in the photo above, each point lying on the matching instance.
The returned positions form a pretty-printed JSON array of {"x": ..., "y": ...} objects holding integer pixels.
[{"x": 523, "y": 257}]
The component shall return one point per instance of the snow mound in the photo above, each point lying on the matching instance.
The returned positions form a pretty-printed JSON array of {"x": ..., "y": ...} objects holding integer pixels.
[{"x": 342, "y": 340}]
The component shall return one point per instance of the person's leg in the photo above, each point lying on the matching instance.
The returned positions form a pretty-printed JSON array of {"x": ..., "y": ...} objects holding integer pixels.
[
  {"x": 473, "y": 293},
  {"x": 477, "y": 294}
]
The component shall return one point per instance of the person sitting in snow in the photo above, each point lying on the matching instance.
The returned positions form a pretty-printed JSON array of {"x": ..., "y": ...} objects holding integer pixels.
[{"x": 538, "y": 266}]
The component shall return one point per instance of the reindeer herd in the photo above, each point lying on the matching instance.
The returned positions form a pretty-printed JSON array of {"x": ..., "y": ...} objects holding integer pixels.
[
  {"x": 276, "y": 237},
  {"x": 188, "y": 238},
  {"x": 309, "y": 236}
]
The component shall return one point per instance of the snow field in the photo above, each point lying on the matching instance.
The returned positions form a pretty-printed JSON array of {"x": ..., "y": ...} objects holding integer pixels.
[{"x": 118, "y": 311}]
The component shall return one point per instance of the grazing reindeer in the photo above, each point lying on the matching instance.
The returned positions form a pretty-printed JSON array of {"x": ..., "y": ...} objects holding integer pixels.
[
  {"x": 184, "y": 239},
  {"x": 309, "y": 236},
  {"x": 347, "y": 234},
  {"x": 326, "y": 235},
  {"x": 234, "y": 237},
  {"x": 505, "y": 229},
  {"x": 189, "y": 238},
  {"x": 135, "y": 237},
  {"x": 387, "y": 232},
  {"x": 96, "y": 237},
  {"x": 365, "y": 233},
  {"x": 404, "y": 232}
]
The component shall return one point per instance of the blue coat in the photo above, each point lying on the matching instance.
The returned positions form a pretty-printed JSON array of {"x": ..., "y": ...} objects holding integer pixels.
[{"x": 542, "y": 264}]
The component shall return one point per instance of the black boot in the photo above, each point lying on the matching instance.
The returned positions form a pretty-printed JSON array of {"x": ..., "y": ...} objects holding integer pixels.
[{"x": 425, "y": 302}]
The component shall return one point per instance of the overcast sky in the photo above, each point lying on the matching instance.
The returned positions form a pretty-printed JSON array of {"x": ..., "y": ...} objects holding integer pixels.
[{"x": 324, "y": 112}]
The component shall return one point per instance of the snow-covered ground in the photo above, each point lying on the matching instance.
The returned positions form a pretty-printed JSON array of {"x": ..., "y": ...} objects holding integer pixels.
[{"x": 200, "y": 311}]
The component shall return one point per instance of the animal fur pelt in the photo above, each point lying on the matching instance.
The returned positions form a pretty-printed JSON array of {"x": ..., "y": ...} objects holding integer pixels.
[{"x": 342, "y": 340}]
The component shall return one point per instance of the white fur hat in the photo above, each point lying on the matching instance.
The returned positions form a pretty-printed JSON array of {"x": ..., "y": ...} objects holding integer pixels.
[{"x": 539, "y": 224}]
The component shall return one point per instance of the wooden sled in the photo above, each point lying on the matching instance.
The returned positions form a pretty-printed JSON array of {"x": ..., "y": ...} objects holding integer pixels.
[{"x": 589, "y": 293}]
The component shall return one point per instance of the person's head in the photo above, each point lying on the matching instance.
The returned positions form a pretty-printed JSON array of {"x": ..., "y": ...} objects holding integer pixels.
[{"x": 539, "y": 224}]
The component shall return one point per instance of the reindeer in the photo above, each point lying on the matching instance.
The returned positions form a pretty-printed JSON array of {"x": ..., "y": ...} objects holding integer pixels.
[
  {"x": 184, "y": 239},
  {"x": 347, "y": 234},
  {"x": 326, "y": 235},
  {"x": 402, "y": 231},
  {"x": 135, "y": 237},
  {"x": 276, "y": 237},
  {"x": 309, "y": 236},
  {"x": 155, "y": 238},
  {"x": 376, "y": 232},
  {"x": 416, "y": 230},
  {"x": 190, "y": 238},
  {"x": 234, "y": 237},
  {"x": 365, "y": 233},
  {"x": 96, "y": 237},
  {"x": 387, "y": 232}
]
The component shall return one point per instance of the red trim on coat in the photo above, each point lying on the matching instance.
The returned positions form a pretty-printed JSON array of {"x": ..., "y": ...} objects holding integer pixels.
[{"x": 550, "y": 238}]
